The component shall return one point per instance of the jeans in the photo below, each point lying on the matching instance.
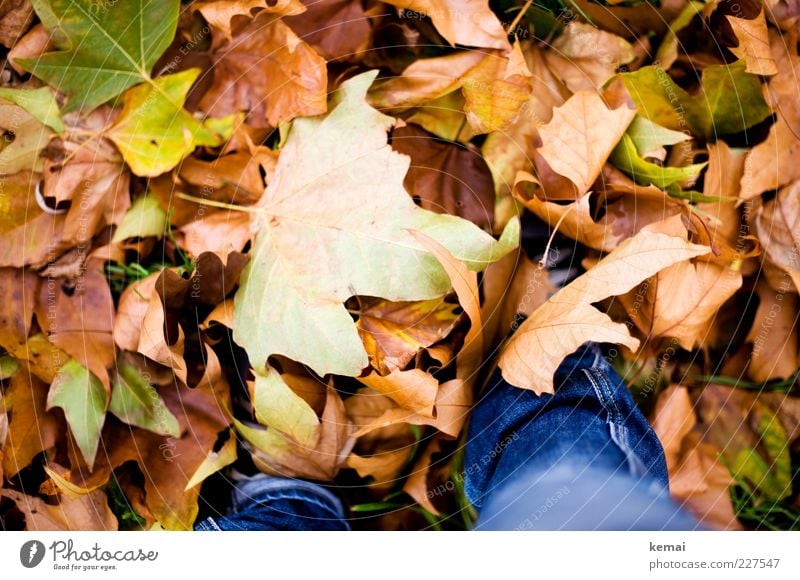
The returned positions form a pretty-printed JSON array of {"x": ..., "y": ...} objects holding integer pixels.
[{"x": 584, "y": 458}]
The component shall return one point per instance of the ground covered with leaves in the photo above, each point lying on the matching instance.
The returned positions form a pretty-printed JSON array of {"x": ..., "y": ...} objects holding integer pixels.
[{"x": 294, "y": 237}]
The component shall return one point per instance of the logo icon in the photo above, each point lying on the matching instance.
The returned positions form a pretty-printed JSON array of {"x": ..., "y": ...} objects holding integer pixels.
[{"x": 31, "y": 553}]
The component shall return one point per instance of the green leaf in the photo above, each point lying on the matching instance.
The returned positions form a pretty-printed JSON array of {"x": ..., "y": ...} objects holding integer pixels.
[
  {"x": 729, "y": 100},
  {"x": 627, "y": 158},
  {"x": 772, "y": 477},
  {"x": 650, "y": 138},
  {"x": 105, "y": 46},
  {"x": 143, "y": 219},
  {"x": 334, "y": 223},
  {"x": 83, "y": 399},
  {"x": 278, "y": 406},
  {"x": 24, "y": 137},
  {"x": 136, "y": 402},
  {"x": 153, "y": 132},
  {"x": 8, "y": 366},
  {"x": 38, "y": 102}
]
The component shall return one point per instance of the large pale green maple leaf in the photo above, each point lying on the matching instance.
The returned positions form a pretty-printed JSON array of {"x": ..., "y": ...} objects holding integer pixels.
[
  {"x": 104, "y": 46},
  {"x": 336, "y": 222}
]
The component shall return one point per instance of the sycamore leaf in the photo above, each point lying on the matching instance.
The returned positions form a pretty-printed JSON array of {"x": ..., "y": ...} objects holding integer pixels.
[
  {"x": 267, "y": 71},
  {"x": 136, "y": 402},
  {"x": 774, "y": 335},
  {"x": 83, "y": 399},
  {"x": 777, "y": 226},
  {"x": 465, "y": 22},
  {"x": 144, "y": 218},
  {"x": 703, "y": 287},
  {"x": 584, "y": 56},
  {"x": 651, "y": 138},
  {"x": 393, "y": 332},
  {"x": 97, "y": 58},
  {"x": 495, "y": 91},
  {"x": 753, "y": 45},
  {"x": 22, "y": 140},
  {"x": 40, "y": 103},
  {"x": 581, "y": 135},
  {"x": 334, "y": 223},
  {"x": 220, "y": 13},
  {"x": 729, "y": 101},
  {"x": 153, "y": 132},
  {"x": 278, "y": 406},
  {"x": 627, "y": 158},
  {"x": 566, "y": 321}
]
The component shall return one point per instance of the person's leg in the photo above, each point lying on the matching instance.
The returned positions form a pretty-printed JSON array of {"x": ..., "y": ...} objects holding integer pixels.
[
  {"x": 584, "y": 458},
  {"x": 279, "y": 504}
]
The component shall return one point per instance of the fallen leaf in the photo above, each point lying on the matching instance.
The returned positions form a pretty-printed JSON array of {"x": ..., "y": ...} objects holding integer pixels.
[
  {"x": 464, "y": 22},
  {"x": 277, "y": 406},
  {"x": 153, "y": 132},
  {"x": 79, "y": 319},
  {"x": 495, "y": 91},
  {"x": 285, "y": 77},
  {"x": 710, "y": 112},
  {"x": 584, "y": 57},
  {"x": 568, "y": 319},
  {"x": 40, "y": 103},
  {"x": 336, "y": 29},
  {"x": 355, "y": 219},
  {"x": 144, "y": 218},
  {"x": 15, "y": 17},
  {"x": 393, "y": 332},
  {"x": 31, "y": 428},
  {"x": 423, "y": 81},
  {"x": 753, "y": 44},
  {"x": 277, "y": 455},
  {"x": 220, "y": 13},
  {"x": 83, "y": 399},
  {"x": 774, "y": 335},
  {"x": 136, "y": 402},
  {"x": 97, "y": 59},
  {"x": 704, "y": 286},
  {"x": 24, "y": 138},
  {"x": 581, "y": 135},
  {"x": 88, "y": 512},
  {"x": 776, "y": 227},
  {"x": 413, "y": 389},
  {"x": 446, "y": 178},
  {"x": 698, "y": 479}
]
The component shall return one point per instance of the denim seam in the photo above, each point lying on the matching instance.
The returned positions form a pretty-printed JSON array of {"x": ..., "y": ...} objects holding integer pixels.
[
  {"x": 211, "y": 523},
  {"x": 294, "y": 496}
]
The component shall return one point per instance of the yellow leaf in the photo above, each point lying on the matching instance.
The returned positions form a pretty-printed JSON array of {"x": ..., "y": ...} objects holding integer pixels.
[{"x": 566, "y": 321}]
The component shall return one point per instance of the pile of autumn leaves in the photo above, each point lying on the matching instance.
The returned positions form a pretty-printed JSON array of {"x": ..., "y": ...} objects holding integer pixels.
[{"x": 319, "y": 187}]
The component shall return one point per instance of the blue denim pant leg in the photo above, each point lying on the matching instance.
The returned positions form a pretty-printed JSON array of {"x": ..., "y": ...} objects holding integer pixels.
[
  {"x": 584, "y": 458},
  {"x": 267, "y": 503}
]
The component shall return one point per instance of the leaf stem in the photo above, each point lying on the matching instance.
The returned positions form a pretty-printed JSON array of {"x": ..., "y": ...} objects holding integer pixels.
[{"x": 219, "y": 204}]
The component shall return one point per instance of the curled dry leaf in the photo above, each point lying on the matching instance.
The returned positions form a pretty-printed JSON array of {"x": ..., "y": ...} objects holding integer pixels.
[
  {"x": 753, "y": 45},
  {"x": 445, "y": 177},
  {"x": 703, "y": 287},
  {"x": 464, "y": 22},
  {"x": 774, "y": 335},
  {"x": 393, "y": 332},
  {"x": 87, "y": 512},
  {"x": 285, "y": 77},
  {"x": 277, "y": 455},
  {"x": 579, "y": 138},
  {"x": 568, "y": 319},
  {"x": 698, "y": 479},
  {"x": 777, "y": 227}
]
